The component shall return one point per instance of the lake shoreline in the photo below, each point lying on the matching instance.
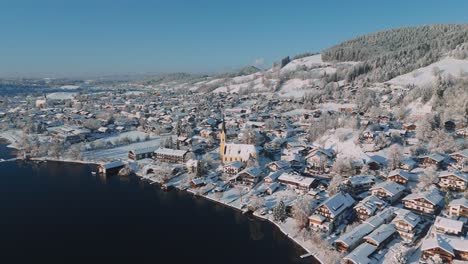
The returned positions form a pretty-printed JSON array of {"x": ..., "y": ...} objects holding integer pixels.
[{"x": 152, "y": 181}]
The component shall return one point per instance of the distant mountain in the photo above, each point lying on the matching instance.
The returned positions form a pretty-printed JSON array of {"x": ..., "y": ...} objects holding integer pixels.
[{"x": 387, "y": 54}]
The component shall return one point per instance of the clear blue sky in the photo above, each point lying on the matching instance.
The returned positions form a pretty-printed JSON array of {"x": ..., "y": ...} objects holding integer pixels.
[{"x": 77, "y": 36}]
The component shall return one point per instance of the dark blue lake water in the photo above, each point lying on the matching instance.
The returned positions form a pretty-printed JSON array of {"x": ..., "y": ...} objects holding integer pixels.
[{"x": 60, "y": 212}]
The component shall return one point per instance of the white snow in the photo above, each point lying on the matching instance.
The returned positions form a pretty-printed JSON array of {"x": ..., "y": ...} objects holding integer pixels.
[
  {"x": 61, "y": 96},
  {"x": 315, "y": 60},
  {"x": 425, "y": 75}
]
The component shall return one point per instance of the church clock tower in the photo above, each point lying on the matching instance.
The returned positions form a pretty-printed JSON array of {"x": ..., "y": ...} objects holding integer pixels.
[{"x": 222, "y": 143}]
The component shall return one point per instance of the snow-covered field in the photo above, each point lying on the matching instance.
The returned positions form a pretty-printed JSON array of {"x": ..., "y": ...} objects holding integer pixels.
[
  {"x": 118, "y": 152},
  {"x": 61, "y": 96},
  {"x": 315, "y": 60},
  {"x": 425, "y": 75}
]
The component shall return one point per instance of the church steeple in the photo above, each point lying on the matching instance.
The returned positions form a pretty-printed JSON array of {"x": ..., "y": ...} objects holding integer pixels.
[{"x": 222, "y": 139}]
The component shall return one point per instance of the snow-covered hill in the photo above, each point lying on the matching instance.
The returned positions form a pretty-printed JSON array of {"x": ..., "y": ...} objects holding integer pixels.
[{"x": 427, "y": 75}]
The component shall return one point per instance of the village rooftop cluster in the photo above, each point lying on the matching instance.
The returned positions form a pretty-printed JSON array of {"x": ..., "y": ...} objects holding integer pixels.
[{"x": 343, "y": 183}]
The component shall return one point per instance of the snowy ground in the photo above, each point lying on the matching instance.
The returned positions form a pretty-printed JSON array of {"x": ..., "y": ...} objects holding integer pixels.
[
  {"x": 118, "y": 152},
  {"x": 13, "y": 136},
  {"x": 425, "y": 75}
]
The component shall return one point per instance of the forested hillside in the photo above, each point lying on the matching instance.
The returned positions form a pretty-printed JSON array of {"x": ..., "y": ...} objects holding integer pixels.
[{"x": 386, "y": 54}]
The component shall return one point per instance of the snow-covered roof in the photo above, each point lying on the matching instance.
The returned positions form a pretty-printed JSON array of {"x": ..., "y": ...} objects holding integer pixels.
[
  {"x": 170, "y": 152},
  {"x": 390, "y": 187},
  {"x": 462, "y": 176},
  {"x": 144, "y": 150},
  {"x": 381, "y": 218},
  {"x": 297, "y": 179},
  {"x": 370, "y": 203},
  {"x": 354, "y": 236},
  {"x": 361, "y": 254},
  {"x": 459, "y": 202},
  {"x": 252, "y": 171},
  {"x": 240, "y": 150},
  {"x": 408, "y": 217},
  {"x": 381, "y": 233},
  {"x": 448, "y": 224},
  {"x": 401, "y": 173},
  {"x": 432, "y": 196},
  {"x": 113, "y": 164},
  {"x": 362, "y": 179},
  {"x": 338, "y": 203},
  {"x": 446, "y": 243}
]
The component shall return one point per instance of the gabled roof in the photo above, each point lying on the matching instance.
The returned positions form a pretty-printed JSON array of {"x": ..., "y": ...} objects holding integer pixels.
[
  {"x": 408, "y": 217},
  {"x": 447, "y": 223},
  {"x": 401, "y": 173},
  {"x": 252, "y": 171},
  {"x": 459, "y": 202},
  {"x": 370, "y": 203},
  {"x": 463, "y": 153},
  {"x": 432, "y": 196},
  {"x": 381, "y": 233},
  {"x": 462, "y": 176},
  {"x": 354, "y": 236},
  {"x": 390, "y": 187},
  {"x": 446, "y": 243},
  {"x": 338, "y": 203},
  {"x": 361, "y": 254}
]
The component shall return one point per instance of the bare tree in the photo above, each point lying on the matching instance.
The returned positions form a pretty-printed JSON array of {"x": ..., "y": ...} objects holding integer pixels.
[
  {"x": 301, "y": 211},
  {"x": 395, "y": 154}
]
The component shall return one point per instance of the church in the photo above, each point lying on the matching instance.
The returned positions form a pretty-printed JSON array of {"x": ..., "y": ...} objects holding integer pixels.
[{"x": 235, "y": 152}]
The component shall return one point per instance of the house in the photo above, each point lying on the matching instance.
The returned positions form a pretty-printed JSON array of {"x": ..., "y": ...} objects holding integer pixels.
[
  {"x": 141, "y": 153},
  {"x": 399, "y": 176},
  {"x": 429, "y": 202},
  {"x": 170, "y": 155},
  {"x": 434, "y": 159},
  {"x": 444, "y": 249},
  {"x": 448, "y": 226},
  {"x": 331, "y": 212},
  {"x": 249, "y": 176},
  {"x": 381, "y": 236},
  {"x": 408, "y": 164},
  {"x": 234, "y": 167},
  {"x": 461, "y": 158},
  {"x": 111, "y": 167},
  {"x": 368, "y": 207},
  {"x": 296, "y": 181},
  {"x": 279, "y": 165},
  {"x": 388, "y": 191},
  {"x": 406, "y": 223},
  {"x": 272, "y": 187},
  {"x": 353, "y": 238},
  {"x": 453, "y": 180},
  {"x": 273, "y": 176},
  {"x": 458, "y": 207},
  {"x": 361, "y": 255},
  {"x": 358, "y": 184},
  {"x": 319, "y": 160}
]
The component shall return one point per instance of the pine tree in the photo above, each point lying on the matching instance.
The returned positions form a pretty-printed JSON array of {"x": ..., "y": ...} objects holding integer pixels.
[{"x": 279, "y": 212}]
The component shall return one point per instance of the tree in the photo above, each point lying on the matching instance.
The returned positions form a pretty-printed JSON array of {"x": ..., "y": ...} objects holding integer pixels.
[
  {"x": 335, "y": 184},
  {"x": 256, "y": 203},
  {"x": 301, "y": 211},
  {"x": 279, "y": 212},
  {"x": 343, "y": 167},
  {"x": 395, "y": 154},
  {"x": 426, "y": 179}
]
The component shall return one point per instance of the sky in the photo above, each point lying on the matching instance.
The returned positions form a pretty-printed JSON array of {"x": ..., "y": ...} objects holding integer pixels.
[{"x": 65, "y": 37}]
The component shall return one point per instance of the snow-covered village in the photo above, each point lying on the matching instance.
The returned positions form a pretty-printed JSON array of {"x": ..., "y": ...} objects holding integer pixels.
[{"x": 357, "y": 153}]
